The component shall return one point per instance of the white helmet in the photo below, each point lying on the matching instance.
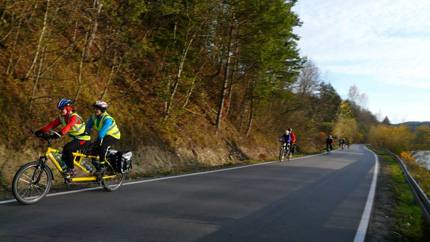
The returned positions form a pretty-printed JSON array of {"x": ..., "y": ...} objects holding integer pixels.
[
  {"x": 287, "y": 132},
  {"x": 101, "y": 105}
]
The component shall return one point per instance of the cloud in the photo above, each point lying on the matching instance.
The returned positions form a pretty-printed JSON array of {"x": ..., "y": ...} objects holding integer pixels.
[{"x": 387, "y": 40}]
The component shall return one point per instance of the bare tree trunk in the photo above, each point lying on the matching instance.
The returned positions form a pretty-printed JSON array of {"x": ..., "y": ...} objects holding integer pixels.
[
  {"x": 39, "y": 45},
  {"x": 233, "y": 79},
  {"x": 193, "y": 85},
  {"x": 111, "y": 76},
  {"x": 251, "y": 115},
  {"x": 95, "y": 24},
  {"x": 242, "y": 105},
  {"x": 8, "y": 70},
  {"x": 81, "y": 64},
  {"x": 226, "y": 74},
  {"x": 169, "y": 80},
  {"x": 36, "y": 81},
  {"x": 177, "y": 79}
]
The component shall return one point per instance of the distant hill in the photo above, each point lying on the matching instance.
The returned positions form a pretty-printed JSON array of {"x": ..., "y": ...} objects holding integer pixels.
[{"x": 414, "y": 124}]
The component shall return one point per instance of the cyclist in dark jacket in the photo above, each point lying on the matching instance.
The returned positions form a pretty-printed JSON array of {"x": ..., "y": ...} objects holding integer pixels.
[
  {"x": 285, "y": 138},
  {"x": 330, "y": 142}
]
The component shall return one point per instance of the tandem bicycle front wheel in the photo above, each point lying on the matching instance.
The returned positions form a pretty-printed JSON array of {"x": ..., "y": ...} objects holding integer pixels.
[{"x": 31, "y": 183}]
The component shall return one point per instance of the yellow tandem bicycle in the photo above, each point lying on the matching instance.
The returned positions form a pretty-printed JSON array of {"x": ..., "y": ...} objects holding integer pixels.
[{"x": 32, "y": 181}]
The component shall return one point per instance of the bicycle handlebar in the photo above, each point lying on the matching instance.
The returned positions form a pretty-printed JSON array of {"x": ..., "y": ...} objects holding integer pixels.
[{"x": 45, "y": 136}]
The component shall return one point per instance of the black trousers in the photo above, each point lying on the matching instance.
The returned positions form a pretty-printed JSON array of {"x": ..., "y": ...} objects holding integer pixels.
[
  {"x": 101, "y": 150},
  {"x": 71, "y": 147}
]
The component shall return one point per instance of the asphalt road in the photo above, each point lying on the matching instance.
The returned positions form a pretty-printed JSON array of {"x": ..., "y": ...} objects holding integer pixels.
[{"x": 317, "y": 198}]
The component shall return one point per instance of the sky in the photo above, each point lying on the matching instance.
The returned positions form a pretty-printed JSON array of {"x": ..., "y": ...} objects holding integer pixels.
[{"x": 380, "y": 46}]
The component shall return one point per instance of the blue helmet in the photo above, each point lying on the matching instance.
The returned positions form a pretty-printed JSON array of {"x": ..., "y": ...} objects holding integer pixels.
[{"x": 64, "y": 103}]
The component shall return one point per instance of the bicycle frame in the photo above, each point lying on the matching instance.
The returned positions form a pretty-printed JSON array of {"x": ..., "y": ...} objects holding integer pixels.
[
  {"x": 77, "y": 161},
  {"x": 286, "y": 147}
]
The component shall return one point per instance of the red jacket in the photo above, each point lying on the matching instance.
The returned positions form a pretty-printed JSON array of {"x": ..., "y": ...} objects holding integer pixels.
[
  {"x": 293, "y": 137},
  {"x": 73, "y": 120}
]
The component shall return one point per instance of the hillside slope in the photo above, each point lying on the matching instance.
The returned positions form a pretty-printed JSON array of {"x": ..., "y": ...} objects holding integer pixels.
[{"x": 190, "y": 84}]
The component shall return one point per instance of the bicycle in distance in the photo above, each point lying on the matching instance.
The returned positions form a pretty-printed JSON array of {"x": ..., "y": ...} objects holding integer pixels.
[
  {"x": 329, "y": 148},
  {"x": 329, "y": 143},
  {"x": 342, "y": 143},
  {"x": 285, "y": 151},
  {"x": 33, "y": 181}
]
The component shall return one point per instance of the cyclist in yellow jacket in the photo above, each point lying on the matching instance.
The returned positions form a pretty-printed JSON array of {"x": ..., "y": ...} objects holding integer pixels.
[
  {"x": 74, "y": 126},
  {"x": 108, "y": 134}
]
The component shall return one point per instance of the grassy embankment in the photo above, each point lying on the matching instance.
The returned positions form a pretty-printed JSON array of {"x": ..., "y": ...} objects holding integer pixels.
[{"x": 409, "y": 220}]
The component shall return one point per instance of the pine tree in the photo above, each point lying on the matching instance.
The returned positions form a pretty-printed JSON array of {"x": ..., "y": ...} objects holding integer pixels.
[{"x": 386, "y": 121}]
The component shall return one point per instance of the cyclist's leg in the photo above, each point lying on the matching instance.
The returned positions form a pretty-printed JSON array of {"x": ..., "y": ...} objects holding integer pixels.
[
  {"x": 68, "y": 150},
  {"x": 101, "y": 167},
  {"x": 107, "y": 142},
  {"x": 68, "y": 157},
  {"x": 289, "y": 150},
  {"x": 95, "y": 152}
]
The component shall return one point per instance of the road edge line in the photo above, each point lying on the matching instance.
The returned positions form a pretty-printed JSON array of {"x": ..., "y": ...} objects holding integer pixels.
[{"x": 360, "y": 236}]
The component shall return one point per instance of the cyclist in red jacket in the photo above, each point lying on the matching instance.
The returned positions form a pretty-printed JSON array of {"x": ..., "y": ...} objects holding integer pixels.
[
  {"x": 73, "y": 125},
  {"x": 293, "y": 141},
  {"x": 329, "y": 142}
]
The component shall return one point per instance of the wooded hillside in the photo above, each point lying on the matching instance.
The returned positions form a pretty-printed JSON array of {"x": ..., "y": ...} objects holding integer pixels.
[{"x": 181, "y": 76}]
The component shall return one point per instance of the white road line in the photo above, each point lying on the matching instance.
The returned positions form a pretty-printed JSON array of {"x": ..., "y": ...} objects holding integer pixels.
[
  {"x": 365, "y": 218},
  {"x": 166, "y": 178}
]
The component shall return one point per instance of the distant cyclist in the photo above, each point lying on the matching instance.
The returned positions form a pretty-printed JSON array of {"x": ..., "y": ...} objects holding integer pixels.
[
  {"x": 293, "y": 141},
  {"x": 74, "y": 126},
  {"x": 348, "y": 142},
  {"x": 330, "y": 143},
  {"x": 108, "y": 134},
  {"x": 286, "y": 138},
  {"x": 342, "y": 143}
]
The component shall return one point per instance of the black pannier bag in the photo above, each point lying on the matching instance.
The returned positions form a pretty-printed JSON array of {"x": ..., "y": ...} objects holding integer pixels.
[{"x": 121, "y": 161}]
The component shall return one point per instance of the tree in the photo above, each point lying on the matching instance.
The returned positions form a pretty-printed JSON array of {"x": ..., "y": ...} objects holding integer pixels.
[
  {"x": 394, "y": 138},
  {"x": 421, "y": 138},
  {"x": 386, "y": 121},
  {"x": 346, "y": 125},
  {"x": 356, "y": 97},
  {"x": 308, "y": 79}
]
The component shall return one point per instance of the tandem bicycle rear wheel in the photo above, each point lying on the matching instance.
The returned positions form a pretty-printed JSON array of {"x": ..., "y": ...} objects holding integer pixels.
[{"x": 114, "y": 181}]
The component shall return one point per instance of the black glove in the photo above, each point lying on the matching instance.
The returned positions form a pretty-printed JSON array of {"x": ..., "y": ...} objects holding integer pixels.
[
  {"x": 38, "y": 133},
  {"x": 55, "y": 136},
  {"x": 98, "y": 142}
]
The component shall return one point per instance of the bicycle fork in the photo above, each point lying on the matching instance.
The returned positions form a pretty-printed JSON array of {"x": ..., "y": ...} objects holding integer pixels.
[{"x": 40, "y": 167}]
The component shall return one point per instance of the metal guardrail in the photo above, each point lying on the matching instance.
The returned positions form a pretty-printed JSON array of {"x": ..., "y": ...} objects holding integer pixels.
[{"x": 419, "y": 194}]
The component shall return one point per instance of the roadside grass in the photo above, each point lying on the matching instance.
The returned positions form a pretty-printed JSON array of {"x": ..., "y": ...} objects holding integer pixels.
[{"x": 409, "y": 219}]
